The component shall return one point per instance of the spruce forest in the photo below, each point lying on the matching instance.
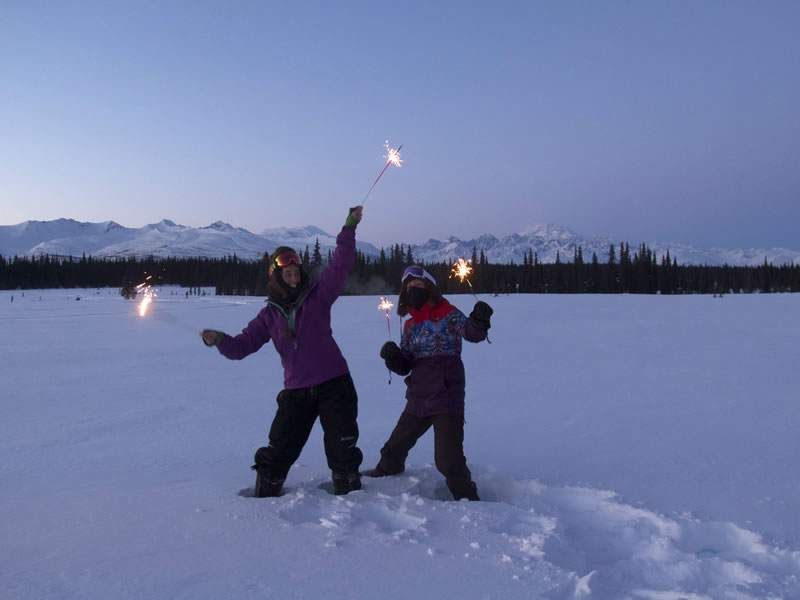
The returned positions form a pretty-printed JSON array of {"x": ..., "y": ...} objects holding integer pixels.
[{"x": 620, "y": 271}]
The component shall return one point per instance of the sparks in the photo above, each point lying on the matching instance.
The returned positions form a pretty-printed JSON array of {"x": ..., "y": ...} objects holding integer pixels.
[
  {"x": 462, "y": 269},
  {"x": 145, "y": 303},
  {"x": 392, "y": 155},
  {"x": 392, "y": 158},
  {"x": 148, "y": 293},
  {"x": 385, "y": 305}
]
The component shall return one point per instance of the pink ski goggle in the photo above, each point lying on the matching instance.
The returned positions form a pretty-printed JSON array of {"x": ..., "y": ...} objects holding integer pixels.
[{"x": 284, "y": 259}]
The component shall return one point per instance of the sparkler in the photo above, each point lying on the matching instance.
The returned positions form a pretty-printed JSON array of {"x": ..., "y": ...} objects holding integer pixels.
[
  {"x": 148, "y": 293},
  {"x": 393, "y": 159},
  {"x": 463, "y": 269},
  {"x": 386, "y": 305}
]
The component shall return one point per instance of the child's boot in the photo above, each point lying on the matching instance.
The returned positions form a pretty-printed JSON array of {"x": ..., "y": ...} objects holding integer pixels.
[
  {"x": 266, "y": 485},
  {"x": 463, "y": 489},
  {"x": 344, "y": 483}
]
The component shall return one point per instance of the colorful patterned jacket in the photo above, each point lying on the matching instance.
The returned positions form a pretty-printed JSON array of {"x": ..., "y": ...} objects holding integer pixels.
[{"x": 431, "y": 343}]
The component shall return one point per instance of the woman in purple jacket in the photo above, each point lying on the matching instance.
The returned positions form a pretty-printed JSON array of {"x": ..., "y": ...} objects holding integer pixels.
[
  {"x": 430, "y": 354},
  {"x": 317, "y": 381}
]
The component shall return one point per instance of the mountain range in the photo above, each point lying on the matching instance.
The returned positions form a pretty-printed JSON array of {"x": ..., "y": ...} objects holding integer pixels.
[{"x": 68, "y": 237}]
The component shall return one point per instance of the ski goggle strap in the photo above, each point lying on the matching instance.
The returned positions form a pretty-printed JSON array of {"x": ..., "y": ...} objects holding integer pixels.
[
  {"x": 417, "y": 272},
  {"x": 284, "y": 259}
]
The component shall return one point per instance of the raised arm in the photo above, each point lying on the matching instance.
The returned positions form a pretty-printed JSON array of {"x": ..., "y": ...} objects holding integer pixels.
[
  {"x": 250, "y": 340},
  {"x": 333, "y": 278}
]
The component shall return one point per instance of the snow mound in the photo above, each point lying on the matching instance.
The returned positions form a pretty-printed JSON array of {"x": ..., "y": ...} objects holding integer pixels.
[{"x": 569, "y": 542}]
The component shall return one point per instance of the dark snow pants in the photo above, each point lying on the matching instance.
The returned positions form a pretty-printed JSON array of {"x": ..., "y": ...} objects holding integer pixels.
[
  {"x": 335, "y": 402},
  {"x": 448, "y": 443}
]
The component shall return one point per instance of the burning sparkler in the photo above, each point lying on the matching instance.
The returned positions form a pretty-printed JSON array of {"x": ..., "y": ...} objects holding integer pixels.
[
  {"x": 462, "y": 269},
  {"x": 148, "y": 293},
  {"x": 386, "y": 305},
  {"x": 393, "y": 159},
  {"x": 393, "y": 155}
]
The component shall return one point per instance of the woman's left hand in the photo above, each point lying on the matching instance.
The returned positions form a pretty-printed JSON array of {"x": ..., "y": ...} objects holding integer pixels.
[{"x": 354, "y": 217}]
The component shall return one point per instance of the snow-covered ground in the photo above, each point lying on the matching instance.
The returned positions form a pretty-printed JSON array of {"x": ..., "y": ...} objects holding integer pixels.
[{"x": 625, "y": 447}]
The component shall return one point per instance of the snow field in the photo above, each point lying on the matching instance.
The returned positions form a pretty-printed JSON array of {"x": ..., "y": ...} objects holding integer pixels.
[{"x": 625, "y": 447}]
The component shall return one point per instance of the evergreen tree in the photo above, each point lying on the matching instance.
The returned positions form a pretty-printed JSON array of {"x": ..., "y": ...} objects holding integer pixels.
[{"x": 316, "y": 258}]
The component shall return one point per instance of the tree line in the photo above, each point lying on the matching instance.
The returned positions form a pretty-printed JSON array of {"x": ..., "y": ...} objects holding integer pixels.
[{"x": 620, "y": 271}]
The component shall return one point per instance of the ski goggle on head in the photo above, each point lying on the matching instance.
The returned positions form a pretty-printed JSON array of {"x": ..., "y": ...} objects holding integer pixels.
[
  {"x": 418, "y": 273},
  {"x": 284, "y": 259}
]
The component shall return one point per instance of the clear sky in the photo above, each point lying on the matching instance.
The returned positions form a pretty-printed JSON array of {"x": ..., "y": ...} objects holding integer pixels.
[{"x": 675, "y": 121}]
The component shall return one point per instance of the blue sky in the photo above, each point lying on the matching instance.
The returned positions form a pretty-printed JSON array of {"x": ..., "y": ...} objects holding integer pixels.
[{"x": 669, "y": 121}]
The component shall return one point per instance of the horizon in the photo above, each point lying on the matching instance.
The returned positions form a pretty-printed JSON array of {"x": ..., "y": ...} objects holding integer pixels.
[{"x": 670, "y": 122}]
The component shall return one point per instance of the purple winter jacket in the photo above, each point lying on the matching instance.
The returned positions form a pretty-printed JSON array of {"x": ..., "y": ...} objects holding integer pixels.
[{"x": 310, "y": 356}]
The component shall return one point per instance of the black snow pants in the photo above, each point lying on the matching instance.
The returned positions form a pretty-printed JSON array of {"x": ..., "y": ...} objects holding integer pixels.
[
  {"x": 335, "y": 402},
  {"x": 448, "y": 443}
]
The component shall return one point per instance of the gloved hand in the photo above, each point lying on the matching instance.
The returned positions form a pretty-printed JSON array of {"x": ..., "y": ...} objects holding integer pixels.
[
  {"x": 394, "y": 358},
  {"x": 212, "y": 337},
  {"x": 390, "y": 350},
  {"x": 354, "y": 217},
  {"x": 481, "y": 314}
]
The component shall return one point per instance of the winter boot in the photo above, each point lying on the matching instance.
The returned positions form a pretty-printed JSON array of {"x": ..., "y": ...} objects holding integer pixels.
[
  {"x": 463, "y": 490},
  {"x": 266, "y": 486},
  {"x": 376, "y": 472},
  {"x": 380, "y": 471},
  {"x": 344, "y": 483}
]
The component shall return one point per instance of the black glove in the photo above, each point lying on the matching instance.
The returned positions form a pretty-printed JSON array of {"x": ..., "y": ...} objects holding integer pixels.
[
  {"x": 390, "y": 349},
  {"x": 394, "y": 358},
  {"x": 212, "y": 337},
  {"x": 481, "y": 314}
]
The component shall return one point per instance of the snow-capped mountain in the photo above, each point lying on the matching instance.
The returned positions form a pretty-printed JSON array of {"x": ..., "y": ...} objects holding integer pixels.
[
  {"x": 68, "y": 237},
  {"x": 548, "y": 240},
  {"x": 167, "y": 238},
  {"x": 300, "y": 237},
  {"x": 25, "y": 237}
]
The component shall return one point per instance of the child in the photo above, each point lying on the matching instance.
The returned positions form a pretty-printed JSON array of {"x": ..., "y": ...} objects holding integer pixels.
[
  {"x": 317, "y": 381},
  {"x": 431, "y": 352}
]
